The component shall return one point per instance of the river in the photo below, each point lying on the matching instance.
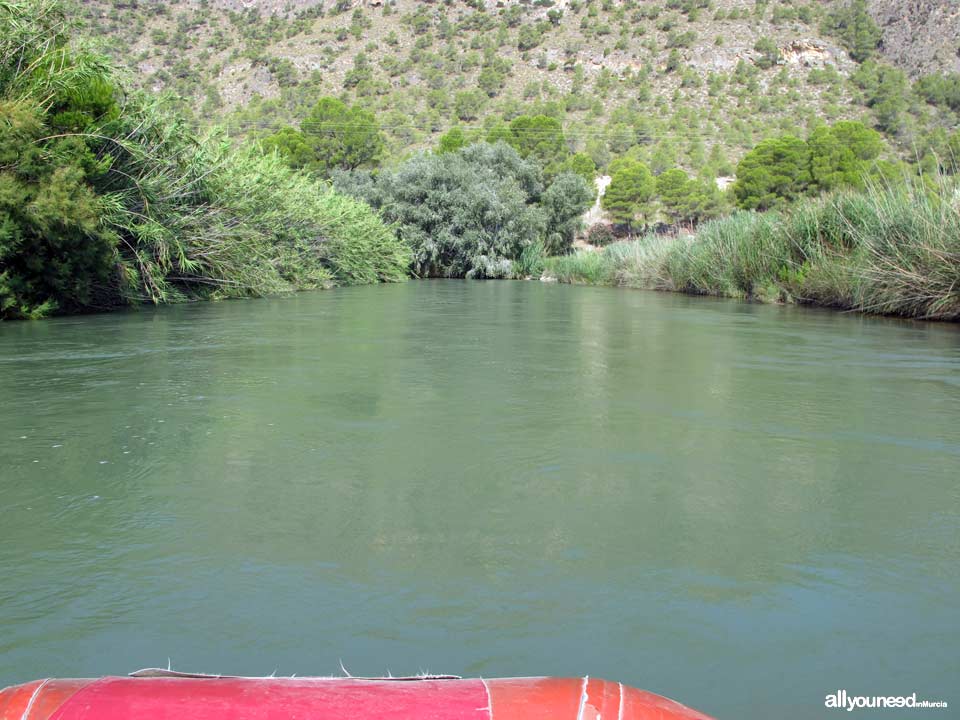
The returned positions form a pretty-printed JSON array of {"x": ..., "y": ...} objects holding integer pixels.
[{"x": 744, "y": 507}]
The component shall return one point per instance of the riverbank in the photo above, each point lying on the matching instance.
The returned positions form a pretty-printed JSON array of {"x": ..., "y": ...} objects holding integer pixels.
[
  {"x": 889, "y": 251},
  {"x": 110, "y": 199}
]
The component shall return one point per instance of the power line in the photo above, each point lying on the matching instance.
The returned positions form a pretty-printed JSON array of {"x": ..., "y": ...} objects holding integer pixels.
[{"x": 332, "y": 128}]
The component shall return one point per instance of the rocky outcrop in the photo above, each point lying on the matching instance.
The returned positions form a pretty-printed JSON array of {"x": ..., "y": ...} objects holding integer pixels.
[
  {"x": 241, "y": 80},
  {"x": 595, "y": 213},
  {"x": 807, "y": 53},
  {"x": 920, "y": 36},
  {"x": 267, "y": 7}
]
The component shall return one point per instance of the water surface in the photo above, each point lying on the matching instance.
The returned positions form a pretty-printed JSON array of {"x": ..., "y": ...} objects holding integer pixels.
[{"x": 744, "y": 507}]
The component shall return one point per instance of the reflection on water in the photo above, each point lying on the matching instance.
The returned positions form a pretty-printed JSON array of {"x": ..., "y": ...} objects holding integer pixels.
[{"x": 745, "y": 507}]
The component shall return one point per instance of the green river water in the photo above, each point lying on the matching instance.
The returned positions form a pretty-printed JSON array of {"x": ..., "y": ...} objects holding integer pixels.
[{"x": 743, "y": 507}]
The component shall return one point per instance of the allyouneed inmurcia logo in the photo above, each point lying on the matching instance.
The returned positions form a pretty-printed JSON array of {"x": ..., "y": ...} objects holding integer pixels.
[{"x": 842, "y": 700}]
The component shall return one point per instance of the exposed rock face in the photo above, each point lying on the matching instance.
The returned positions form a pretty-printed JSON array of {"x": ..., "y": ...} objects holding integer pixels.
[
  {"x": 241, "y": 80},
  {"x": 807, "y": 53},
  {"x": 268, "y": 7},
  {"x": 921, "y": 36},
  {"x": 724, "y": 182},
  {"x": 798, "y": 54},
  {"x": 288, "y": 7},
  {"x": 595, "y": 214}
]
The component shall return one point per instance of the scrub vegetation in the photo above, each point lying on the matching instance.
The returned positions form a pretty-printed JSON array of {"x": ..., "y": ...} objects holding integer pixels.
[{"x": 692, "y": 84}]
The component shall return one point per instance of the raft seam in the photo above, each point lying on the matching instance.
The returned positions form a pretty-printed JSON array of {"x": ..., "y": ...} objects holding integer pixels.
[
  {"x": 583, "y": 697},
  {"x": 489, "y": 699},
  {"x": 620, "y": 711},
  {"x": 26, "y": 713}
]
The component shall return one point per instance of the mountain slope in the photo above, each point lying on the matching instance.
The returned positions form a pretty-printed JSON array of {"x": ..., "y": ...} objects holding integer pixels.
[
  {"x": 920, "y": 36},
  {"x": 695, "y": 81}
]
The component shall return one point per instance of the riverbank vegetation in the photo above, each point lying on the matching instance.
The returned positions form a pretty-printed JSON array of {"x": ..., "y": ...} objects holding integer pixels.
[
  {"x": 893, "y": 249},
  {"x": 108, "y": 199},
  {"x": 480, "y": 211}
]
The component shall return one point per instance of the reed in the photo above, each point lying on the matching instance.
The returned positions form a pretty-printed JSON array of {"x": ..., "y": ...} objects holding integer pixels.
[
  {"x": 110, "y": 198},
  {"x": 893, "y": 249}
]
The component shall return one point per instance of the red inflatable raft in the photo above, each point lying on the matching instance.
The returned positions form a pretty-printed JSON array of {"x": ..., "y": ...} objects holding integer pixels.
[{"x": 161, "y": 695}]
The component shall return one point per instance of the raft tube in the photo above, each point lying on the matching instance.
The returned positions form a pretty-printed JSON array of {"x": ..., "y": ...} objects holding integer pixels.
[{"x": 159, "y": 695}]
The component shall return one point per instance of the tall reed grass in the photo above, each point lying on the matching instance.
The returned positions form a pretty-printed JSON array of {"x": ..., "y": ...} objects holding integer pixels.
[
  {"x": 109, "y": 198},
  {"x": 894, "y": 250}
]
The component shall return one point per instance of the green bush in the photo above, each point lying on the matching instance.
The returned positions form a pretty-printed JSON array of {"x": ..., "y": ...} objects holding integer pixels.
[
  {"x": 941, "y": 90},
  {"x": 564, "y": 203},
  {"x": 769, "y": 53},
  {"x": 452, "y": 140},
  {"x": 54, "y": 250},
  {"x": 583, "y": 165},
  {"x": 539, "y": 138},
  {"x": 841, "y": 155},
  {"x": 468, "y": 104},
  {"x": 474, "y": 212},
  {"x": 530, "y": 36}
]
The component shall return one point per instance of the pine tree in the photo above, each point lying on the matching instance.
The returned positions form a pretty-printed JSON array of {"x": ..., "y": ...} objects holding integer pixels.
[
  {"x": 628, "y": 195},
  {"x": 774, "y": 172}
]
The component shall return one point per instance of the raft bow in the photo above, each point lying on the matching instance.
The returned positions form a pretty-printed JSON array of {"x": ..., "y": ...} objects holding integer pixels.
[{"x": 166, "y": 695}]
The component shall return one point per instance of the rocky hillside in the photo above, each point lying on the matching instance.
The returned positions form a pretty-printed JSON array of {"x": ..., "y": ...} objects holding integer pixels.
[
  {"x": 921, "y": 36},
  {"x": 697, "y": 81}
]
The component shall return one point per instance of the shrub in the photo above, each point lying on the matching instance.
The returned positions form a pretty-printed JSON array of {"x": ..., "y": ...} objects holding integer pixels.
[
  {"x": 476, "y": 211},
  {"x": 673, "y": 61},
  {"x": 941, "y": 90},
  {"x": 841, "y": 155},
  {"x": 452, "y": 140},
  {"x": 769, "y": 53},
  {"x": 529, "y": 37},
  {"x": 468, "y": 104},
  {"x": 465, "y": 214},
  {"x": 564, "y": 202},
  {"x": 600, "y": 234},
  {"x": 584, "y": 166},
  {"x": 491, "y": 80},
  {"x": 54, "y": 251}
]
